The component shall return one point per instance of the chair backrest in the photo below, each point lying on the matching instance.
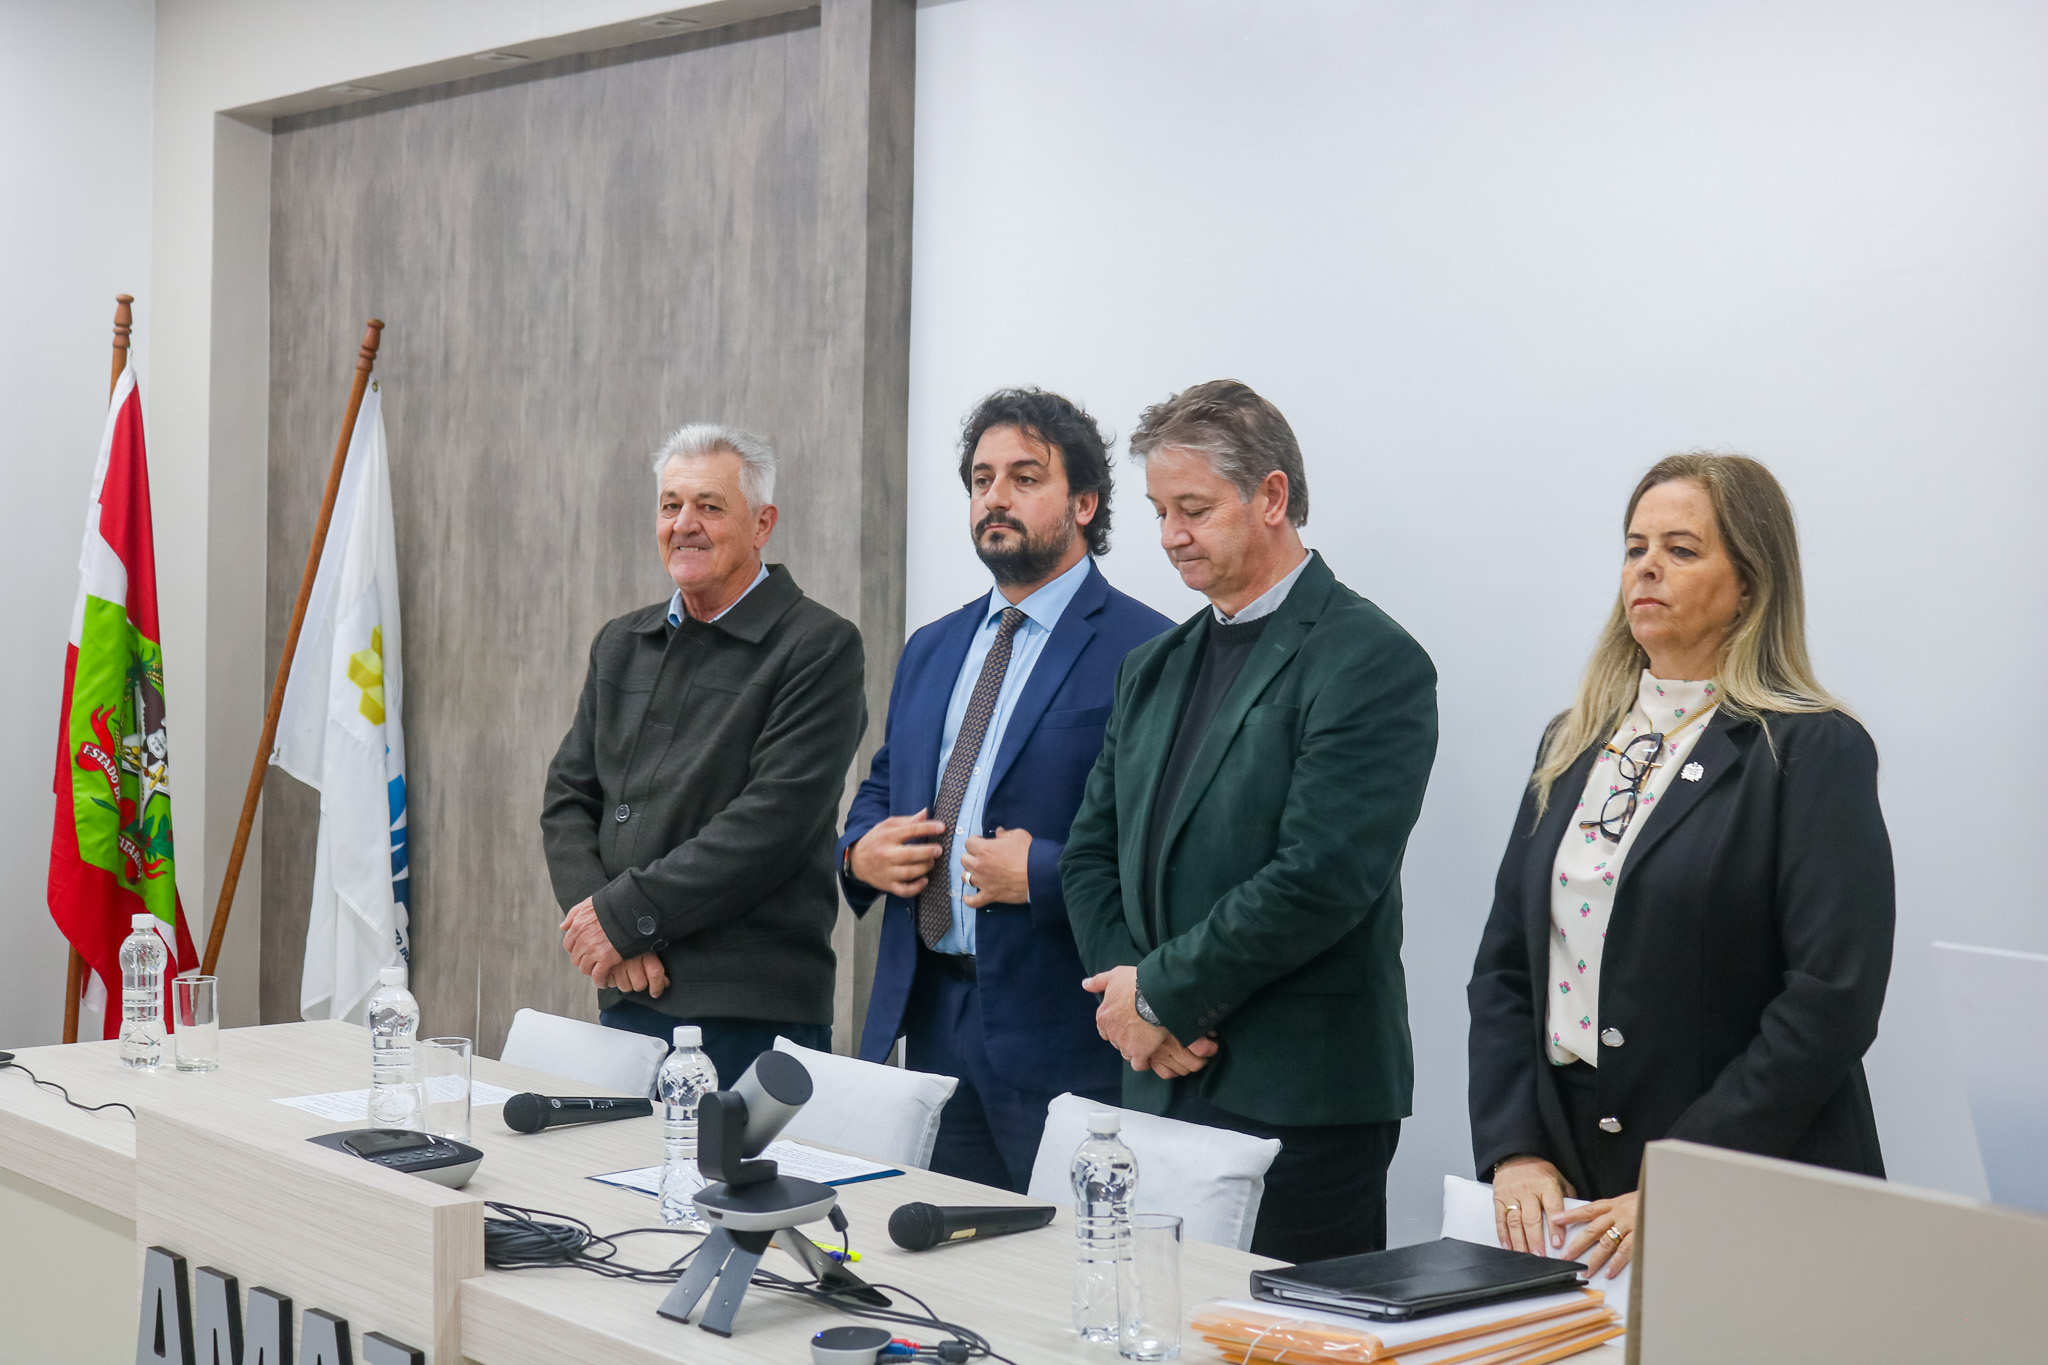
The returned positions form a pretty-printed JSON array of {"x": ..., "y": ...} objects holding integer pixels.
[
  {"x": 1997, "y": 1000},
  {"x": 884, "y": 1113},
  {"x": 590, "y": 1054},
  {"x": 1213, "y": 1178}
]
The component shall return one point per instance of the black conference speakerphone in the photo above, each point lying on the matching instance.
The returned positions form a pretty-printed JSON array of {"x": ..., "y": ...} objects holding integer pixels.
[{"x": 439, "y": 1159}]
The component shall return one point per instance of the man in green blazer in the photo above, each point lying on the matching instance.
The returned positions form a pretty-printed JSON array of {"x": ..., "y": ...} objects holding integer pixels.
[{"x": 1233, "y": 875}]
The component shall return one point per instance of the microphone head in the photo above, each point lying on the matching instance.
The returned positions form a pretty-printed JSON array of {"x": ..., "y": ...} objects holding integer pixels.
[
  {"x": 526, "y": 1113},
  {"x": 917, "y": 1227}
]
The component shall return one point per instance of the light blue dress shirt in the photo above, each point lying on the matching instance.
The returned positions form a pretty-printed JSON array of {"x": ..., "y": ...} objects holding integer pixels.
[
  {"x": 1042, "y": 611},
  {"x": 675, "y": 603},
  {"x": 1267, "y": 602}
]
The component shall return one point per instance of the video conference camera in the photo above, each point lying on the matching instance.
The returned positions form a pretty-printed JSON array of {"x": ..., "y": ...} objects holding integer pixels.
[
  {"x": 748, "y": 1193},
  {"x": 750, "y": 1203}
]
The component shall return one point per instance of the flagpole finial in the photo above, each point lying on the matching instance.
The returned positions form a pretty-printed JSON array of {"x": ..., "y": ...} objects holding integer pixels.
[
  {"x": 372, "y": 334},
  {"x": 124, "y": 323}
]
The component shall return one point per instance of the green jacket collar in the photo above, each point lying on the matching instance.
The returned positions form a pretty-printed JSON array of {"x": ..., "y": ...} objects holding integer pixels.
[{"x": 1288, "y": 628}]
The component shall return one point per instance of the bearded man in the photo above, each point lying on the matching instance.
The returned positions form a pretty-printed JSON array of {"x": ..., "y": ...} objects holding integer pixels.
[{"x": 995, "y": 720}]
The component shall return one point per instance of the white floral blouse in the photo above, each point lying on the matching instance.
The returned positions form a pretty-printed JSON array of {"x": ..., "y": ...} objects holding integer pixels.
[{"x": 1589, "y": 864}]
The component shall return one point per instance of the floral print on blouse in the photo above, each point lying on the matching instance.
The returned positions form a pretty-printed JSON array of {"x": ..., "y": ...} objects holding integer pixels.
[{"x": 1588, "y": 865}]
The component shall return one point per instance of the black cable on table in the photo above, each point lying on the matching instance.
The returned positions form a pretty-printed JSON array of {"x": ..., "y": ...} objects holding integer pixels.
[
  {"x": 977, "y": 1345},
  {"x": 7, "y": 1061},
  {"x": 529, "y": 1239},
  {"x": 522, "y": 1240}
]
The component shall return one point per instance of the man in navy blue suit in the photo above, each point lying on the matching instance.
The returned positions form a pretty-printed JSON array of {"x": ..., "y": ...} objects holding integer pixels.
[{"x": 995, "y": 719}]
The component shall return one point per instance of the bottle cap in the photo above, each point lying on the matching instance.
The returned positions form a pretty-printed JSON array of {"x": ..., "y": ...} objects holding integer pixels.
[
  {"x": 141, "y": 922},
  {"x": 391, "y": 976},
  {"x": 1105, "y": 1122},
  {"x": 689, "y": 1035}
]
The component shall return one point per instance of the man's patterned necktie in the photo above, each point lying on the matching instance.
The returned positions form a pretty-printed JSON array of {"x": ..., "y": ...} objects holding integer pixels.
[{"x": 935, "y": 902}]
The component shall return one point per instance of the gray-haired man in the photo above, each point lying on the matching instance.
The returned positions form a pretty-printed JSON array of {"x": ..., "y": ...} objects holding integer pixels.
[{"x": 689, "y": 813}]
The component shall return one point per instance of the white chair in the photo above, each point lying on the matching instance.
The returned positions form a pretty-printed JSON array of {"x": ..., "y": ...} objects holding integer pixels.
[
  {"x": 1213, "y": 1178},
  {"x": 884, "y": 1113},
  {"x": 591, "y": 1054}
]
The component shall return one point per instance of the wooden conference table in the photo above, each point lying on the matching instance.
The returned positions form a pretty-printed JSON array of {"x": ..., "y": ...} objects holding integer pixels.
[{"x": 217, "y": 1172}]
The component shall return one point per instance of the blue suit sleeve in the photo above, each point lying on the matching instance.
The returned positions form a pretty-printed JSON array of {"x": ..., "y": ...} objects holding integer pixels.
[
  {"x": 1042, "y": 878},
  {"x": 871, "y": 803}
]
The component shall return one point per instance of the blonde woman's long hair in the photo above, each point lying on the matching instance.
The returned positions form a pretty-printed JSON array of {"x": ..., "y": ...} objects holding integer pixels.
[{"x": 1762, "y": 666}]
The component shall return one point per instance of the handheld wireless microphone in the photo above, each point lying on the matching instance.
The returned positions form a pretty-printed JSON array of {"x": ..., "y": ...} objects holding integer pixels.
[
  {"x": 914, "y": 1227},
  {"x": 529, "y": 1113}
]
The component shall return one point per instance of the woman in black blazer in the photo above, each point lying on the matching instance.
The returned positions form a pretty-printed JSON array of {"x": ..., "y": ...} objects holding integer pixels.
[{"x": 1698, "y": 948}]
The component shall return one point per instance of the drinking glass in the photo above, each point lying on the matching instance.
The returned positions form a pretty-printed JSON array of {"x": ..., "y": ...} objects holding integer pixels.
[
  {"x": 444, "y": 1067},
  {"x": 195, "y": 1022},
  {"x": 1148, "y": 1290}
]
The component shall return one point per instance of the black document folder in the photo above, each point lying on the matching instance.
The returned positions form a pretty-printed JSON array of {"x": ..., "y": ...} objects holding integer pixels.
[{"x": 1415, "y": 1281}]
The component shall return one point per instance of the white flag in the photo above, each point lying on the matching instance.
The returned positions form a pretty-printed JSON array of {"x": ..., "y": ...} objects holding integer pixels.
[{"x": 340, "y": 733}]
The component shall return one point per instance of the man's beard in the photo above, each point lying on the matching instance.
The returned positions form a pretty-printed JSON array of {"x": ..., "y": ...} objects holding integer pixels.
[{"x": 1030, "y": 559}]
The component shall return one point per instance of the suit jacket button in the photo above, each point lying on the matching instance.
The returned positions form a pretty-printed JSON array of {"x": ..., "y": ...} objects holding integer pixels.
[
  {"x": 1610, "y": 1037},
  {"x": 646, "y": 925},
  {"x": 623, "y": 813},
  {"x": 1610, "y": 1125}
]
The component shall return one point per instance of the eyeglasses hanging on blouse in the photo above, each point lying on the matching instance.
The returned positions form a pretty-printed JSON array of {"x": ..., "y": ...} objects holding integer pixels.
[{"x": 1634, "y": 762}]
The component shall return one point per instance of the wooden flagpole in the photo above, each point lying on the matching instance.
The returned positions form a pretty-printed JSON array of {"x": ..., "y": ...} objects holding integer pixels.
[
  {"x": 124, "y": 323},
  {"x": 366, "y": 360}
]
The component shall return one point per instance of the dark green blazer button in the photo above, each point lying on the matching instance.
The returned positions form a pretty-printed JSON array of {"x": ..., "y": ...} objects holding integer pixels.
[{"x": 623, "y": 813}]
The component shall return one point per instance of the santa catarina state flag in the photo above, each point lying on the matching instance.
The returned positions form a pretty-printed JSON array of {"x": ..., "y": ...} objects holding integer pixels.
[{"x": 110, "y": 851}]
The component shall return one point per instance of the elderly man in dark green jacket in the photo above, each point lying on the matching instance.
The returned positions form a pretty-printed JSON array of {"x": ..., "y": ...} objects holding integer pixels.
[
  {"x": 1233, "y": 876},
  {"x": 690, "y": 812}
]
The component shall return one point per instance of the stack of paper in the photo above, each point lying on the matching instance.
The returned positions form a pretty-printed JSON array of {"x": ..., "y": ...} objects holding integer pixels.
[
  {"x": 353, "y": 1106},
  {"x": 790, "y": 1158},
  {"x": 1527, "y": 1331}
]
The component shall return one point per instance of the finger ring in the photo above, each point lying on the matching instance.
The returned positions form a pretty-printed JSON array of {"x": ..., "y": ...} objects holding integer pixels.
[
  {"x": 1510, "y": 1208},
  {"x": 1614, "y": 1234}
]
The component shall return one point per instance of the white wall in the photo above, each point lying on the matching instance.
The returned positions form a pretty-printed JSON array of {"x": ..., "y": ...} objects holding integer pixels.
[
  {"x": 1492, "y": 259},
  {"x": 74, "y": 232}
]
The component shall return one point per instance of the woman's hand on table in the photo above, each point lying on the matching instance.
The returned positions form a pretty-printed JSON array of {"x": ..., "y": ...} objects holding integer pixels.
[
  {"x": 1525, "y": 1189},
  {"x": 1608, "y": 1237}
]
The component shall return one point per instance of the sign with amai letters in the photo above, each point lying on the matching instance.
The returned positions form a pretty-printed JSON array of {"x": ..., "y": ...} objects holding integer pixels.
[{"x": 178, "y": 1327}]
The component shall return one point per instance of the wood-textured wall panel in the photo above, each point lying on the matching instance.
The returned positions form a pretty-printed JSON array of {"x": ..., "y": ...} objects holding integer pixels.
[{"x": 571, "y": 260}]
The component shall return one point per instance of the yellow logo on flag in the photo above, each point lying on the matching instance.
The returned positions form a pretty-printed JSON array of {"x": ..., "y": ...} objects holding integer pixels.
[{"x": 366, "y": 670}]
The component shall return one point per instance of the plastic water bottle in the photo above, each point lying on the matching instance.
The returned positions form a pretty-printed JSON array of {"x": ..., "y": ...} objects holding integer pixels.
[
  {"x": 687, "y": 1076},
  {"x": 1105, "y": 1181},
  {"x": 397, "y": 1099},
  {"x": 142, "y": 995}
]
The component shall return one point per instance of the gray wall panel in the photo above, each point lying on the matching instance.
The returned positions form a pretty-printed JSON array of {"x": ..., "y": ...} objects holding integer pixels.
[{"x": 571, "y": 259}]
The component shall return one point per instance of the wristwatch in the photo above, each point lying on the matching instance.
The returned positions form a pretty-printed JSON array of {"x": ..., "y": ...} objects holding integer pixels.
[{"x": 1144, "y": 1007}]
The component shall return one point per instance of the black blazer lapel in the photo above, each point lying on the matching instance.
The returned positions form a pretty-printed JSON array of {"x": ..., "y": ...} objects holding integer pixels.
[{"x": 1718, "y": 755}]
